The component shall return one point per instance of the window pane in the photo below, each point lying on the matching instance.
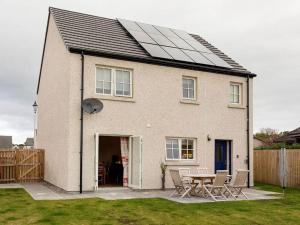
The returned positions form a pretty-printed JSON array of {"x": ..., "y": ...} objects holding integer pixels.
[
  {"x": 184, "y": 144},
  {"x": 236, "y": 98},
  {"x": 231, "y": 89},
  {"x": 190, "y": 83},
  {"x": 176, "y": 153},
  {"x": 107, "y": 75},
  {"x": 107, "y": 88},
  {"x": 103, "y": 74},
  {"x": 190, "y": 154},
  {"x": 232, "y": 98},
  {"x": 175, "y": 143},
  {"x": 184, "y": 83},
  {"x": 126, "y": 77},
  {"x": 119, "y": 77},
  {"x": 190, "y": 144},
  {"x": 169, "y": 154},
  {"x": 191, "y": 93},
  {"x": 185, "y": 93},
  {"x": 236, "y": 89},
  {"x": 184, "y": 154}
]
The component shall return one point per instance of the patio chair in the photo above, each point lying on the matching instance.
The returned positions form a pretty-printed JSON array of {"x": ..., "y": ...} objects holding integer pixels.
[
  {"x": 185, "y": 171},
  {"x": 202, "y": 170},
  {"x": 235, "y": 188},
  {"x": 181, "y": 188},
  {"x": 216, "y": 189}
]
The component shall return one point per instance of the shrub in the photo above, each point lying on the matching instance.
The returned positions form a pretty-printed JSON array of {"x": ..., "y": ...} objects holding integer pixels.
[{"x": 279, "y": 146}]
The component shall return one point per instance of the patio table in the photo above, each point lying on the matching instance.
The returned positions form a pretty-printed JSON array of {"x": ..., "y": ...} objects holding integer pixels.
[{"x": 201, "y": 178}]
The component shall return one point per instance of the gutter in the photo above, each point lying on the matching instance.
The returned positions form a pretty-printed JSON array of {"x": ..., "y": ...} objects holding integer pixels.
[
  {"x": 81, "y": 122},
  {"x": 248, "y": 132}
]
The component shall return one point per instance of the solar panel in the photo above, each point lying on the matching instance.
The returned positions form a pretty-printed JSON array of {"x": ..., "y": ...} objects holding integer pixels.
[
  {"x": 130, "y": 25},
  {"x": 155, "y": 51},
  {"x": 216, "y": 60},
  {"x": 141, "y": 37},
  {"x": 197, "y": 57},
  {"x": 148, "y": 28},
  {"x": 191, "y": 41},
  {"x": 162, "y": 42},
  {"x": 177, "y": 54}
]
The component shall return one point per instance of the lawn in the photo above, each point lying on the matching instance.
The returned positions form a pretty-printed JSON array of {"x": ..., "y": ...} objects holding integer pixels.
[{"x": 17, "y": 207}]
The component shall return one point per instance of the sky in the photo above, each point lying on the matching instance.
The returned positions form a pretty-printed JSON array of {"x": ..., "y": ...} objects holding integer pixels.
[{"x": 263, "y": 36}]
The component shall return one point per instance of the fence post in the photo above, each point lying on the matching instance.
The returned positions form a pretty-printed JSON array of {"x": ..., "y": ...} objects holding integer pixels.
[{"x": 282, "y": 168}]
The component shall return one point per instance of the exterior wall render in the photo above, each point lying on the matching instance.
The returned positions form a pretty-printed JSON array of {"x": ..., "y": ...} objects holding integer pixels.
[{"x": 155, "y": 112}]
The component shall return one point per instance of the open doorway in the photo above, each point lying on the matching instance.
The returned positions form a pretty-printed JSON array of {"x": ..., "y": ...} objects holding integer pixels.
[{"x": 110, "y": 165}]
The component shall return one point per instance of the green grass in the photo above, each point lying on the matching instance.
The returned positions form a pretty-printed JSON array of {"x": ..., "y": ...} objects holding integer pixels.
[{"x": 17, "y": 207}]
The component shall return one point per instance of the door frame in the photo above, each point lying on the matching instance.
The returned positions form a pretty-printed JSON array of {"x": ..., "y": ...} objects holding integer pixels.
[
  {"x": 229, "y": 154},
  {"x": 139, "y": 186},
  {"x": 97, "y": 151}
]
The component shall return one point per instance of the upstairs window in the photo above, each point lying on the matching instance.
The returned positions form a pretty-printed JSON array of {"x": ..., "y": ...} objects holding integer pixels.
[
  {"x": 113, "y": 81},
  {"x": 103, "y": 81},
  {"x": 235, "y": 93},
  {"x": 188, "y": 88},
  {"x": 123, "y": 83}
]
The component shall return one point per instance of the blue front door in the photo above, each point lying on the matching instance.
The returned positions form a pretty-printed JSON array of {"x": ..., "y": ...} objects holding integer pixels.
[{"x": 220, "y": 155}]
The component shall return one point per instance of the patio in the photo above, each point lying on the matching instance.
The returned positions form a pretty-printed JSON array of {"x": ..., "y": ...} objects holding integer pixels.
[{"x": 44, "y": 191}]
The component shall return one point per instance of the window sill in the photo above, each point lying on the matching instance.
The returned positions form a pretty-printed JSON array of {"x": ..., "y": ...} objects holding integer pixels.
[
  {"x": 192, "y": 102},
  {"x": 116, "y": 98},
  {"x": 237, "y": 106}
]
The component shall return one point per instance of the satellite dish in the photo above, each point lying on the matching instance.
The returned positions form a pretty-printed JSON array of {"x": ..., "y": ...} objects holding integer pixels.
[{"x": 92, "y": 105}]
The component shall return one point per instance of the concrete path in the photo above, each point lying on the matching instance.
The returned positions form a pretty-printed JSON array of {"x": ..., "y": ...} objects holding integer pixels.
[{"x": 44, "y": 191}]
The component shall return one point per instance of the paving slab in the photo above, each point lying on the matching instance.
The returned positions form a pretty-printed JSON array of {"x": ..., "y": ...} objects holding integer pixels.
[{"x": 44, "y": 191}]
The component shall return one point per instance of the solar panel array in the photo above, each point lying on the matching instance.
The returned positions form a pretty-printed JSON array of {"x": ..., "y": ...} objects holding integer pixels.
[{"x": 162, "y": 42}]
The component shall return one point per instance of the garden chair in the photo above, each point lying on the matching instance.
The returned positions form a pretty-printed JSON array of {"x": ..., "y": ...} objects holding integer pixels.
[
  {"x": 185, "y": 171},
  {"x": 181, "y": 188},
  {"x": 216, "y": 189},
  {"x": 202, "y": 170},
  {"x": 235, "y": 188}
]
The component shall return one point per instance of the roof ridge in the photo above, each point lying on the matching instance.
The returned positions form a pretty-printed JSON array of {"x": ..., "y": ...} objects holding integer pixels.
[{"x": 85, "y": 14}]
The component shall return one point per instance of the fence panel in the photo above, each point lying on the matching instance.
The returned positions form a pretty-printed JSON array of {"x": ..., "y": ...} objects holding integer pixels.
[
  {"x": 266, "y": 167},
  {"x": 21, "y": 165}
]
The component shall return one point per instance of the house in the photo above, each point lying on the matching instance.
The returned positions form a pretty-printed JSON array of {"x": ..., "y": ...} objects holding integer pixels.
[
  {"x": 258, "y": 142},
  {"x": 292, "y": 137},
  {"x": 29, "y": 143},
  {"x": 5, "y": 142},
  {"x": 167, "y": 96}
]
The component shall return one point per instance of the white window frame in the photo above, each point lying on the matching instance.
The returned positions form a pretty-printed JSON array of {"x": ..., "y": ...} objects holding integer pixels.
[
  {"x": 239, "y": 94},
  {"x": 195, "y": 87},
  {"x": 180, "y": 148},
  {"x": 113, "y": 81}
]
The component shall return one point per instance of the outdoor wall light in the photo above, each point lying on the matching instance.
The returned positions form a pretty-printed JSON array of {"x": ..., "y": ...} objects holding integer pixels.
[
  {"x": 208, "y": 138},
  {"x": 35, "y": 106}
]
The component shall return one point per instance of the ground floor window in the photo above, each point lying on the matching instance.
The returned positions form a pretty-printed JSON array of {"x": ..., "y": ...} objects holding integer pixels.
[{"x": 180, "y": 148}]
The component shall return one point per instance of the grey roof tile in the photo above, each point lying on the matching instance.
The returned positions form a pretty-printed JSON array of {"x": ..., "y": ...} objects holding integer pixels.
[{"x": 107, "y": 36}]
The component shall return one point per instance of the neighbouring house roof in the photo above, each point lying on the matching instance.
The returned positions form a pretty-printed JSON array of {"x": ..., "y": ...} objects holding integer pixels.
[
  {"x": 291, "y": 136},
  {"x": 6, "y": 141},
  {"x": 29, "y": 142},
  {"x": 95, "y": 35}
]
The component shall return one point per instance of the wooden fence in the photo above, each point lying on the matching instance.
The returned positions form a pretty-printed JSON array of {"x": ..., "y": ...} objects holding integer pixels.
[
  {"x": 21, "y": 165},
  {"x": 267, "y": 167}
]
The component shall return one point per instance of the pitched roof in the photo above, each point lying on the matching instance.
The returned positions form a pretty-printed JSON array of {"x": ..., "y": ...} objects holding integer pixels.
[
  {"x": 106, "y": 37},
  {"x": 5, "y": 141},
  {"x": 29, "y": 142}
]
